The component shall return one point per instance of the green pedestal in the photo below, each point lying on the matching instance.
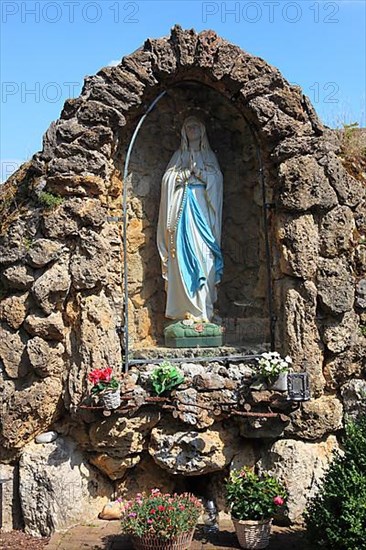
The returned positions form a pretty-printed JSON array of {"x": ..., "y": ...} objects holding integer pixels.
[{"x": 189, "y": 334}]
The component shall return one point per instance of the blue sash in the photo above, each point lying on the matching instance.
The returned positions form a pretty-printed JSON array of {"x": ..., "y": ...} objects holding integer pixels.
[{"x": 192, "y": 273}]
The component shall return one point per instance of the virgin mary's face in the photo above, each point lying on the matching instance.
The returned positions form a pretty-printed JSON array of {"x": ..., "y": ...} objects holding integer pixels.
[{"x": 193, "y": 130}]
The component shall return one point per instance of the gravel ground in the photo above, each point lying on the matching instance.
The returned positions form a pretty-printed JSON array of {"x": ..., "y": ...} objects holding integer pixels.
[{"x": 17, "y": 540}]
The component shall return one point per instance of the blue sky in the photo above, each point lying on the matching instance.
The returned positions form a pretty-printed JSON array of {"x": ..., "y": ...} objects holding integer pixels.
[{"x": 48, "y": 47}]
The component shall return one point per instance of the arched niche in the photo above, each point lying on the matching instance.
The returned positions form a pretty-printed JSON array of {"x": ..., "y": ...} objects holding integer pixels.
[{"x": 242, "y": 304}]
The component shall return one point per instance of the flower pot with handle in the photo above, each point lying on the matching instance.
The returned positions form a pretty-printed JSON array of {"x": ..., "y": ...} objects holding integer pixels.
[
  {"x": 280, "y": 383},
  {"x": 153, "y": 542},
  {"x": 110, "y": 399},
  {"x": 253, "y": 534}
]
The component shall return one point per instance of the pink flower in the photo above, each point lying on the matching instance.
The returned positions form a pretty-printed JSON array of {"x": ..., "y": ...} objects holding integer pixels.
[
  {"x": 100, "y": 375},
  {"x": 149, "y": 521},
  {"x": 278, "y": 501},
  {"x": 243, "y": 474},
  {"x": 106, "y": 374},
  {"x": 94, "y": 376},
  {"x": 199, "y": 328},
  {"x": 161, "y": 508}
]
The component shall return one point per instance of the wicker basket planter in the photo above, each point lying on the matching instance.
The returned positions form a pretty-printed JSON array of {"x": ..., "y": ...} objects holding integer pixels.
[
  {"x": 110, "y": 399},
  {"x": 151, "y": 542},
  {"x": 253, "y": 533}
]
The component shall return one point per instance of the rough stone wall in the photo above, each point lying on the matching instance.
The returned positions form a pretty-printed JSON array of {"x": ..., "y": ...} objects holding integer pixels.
[{"x": 61, "y": 294}]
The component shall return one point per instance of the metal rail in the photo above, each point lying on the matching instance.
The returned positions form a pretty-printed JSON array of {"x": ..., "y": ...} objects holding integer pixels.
[{"x": 124, "y": 217}]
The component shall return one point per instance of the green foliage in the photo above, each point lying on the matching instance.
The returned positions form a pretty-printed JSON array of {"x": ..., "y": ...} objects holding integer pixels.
[
  {"x": 363, "y": 329},
  {"x": 161, "y": 515},
  {"x": 254, "y": 497},
  {"x": 27, "y": 243},
  {"x": 349, "y": 129},
  {"x": 166, "y": 377},
  {"x": 336, "y": 517},
  {"x": 48, "y": 200}
]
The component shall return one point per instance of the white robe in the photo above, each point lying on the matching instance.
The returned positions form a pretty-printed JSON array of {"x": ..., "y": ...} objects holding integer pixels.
[{"x": 205, "y": 194}]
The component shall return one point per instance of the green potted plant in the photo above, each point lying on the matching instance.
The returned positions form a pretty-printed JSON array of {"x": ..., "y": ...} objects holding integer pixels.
[
  {"x": 161, "y": 521},
  {"x": 165, "y": 377},
  {"x": 254, "y": 500},
  {"x": 106, "y": 387},
  {"x": 271, "y": 371}
]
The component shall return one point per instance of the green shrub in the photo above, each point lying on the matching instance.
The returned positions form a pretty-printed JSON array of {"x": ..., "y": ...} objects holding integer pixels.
[
  {"x": 48, "y": 200},
  {"x": 336, "y": 517}
]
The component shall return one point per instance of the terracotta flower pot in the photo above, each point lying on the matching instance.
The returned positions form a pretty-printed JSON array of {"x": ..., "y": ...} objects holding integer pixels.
[
  {"x": 253, "y": 534},
  {"x": 153, "y": 542}
]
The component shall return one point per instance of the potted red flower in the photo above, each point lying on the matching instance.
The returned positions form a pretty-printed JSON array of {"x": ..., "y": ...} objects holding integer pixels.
[
  {"x": 106, "y": 387},
  {"x": 254, "y": 500},
  {"x": 161, "y": 521}
]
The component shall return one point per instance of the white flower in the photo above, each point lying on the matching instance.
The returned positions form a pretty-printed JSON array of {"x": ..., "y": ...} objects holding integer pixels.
[{"x": 271, "y": 364}]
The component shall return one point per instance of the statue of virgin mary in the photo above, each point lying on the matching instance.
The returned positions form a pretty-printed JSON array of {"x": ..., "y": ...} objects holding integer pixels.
[{"x": 189, "y": 226}]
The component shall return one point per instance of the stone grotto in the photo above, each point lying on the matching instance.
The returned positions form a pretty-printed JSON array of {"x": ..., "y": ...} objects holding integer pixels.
[{"x": 294, "y": 281}]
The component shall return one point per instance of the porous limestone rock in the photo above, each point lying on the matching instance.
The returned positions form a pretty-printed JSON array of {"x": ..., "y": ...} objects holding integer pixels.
[
  {"x": 14, "y": 241},
  {"x": 201, "y": 409},
  {"x": 336, "y": 286},
  {"x": 191, "y": 452},
  {"x": 245, "y": 456},
  {"x": 336, "y": 231},
  {"x": 88, "y": 263},
  {"x": 58, "y": 224},
  {"x": 354, "y": 397},
  {"x": 29, "y": 411},
  {"x": 339, "y": 335},
  {"x": 316, "y": 418},
  {"x": 18, "y": 276},
  {"x": 259, "y": 428},
  {"x": 305, "y": 185},
  {"x": 58, "y": 488},
  {"x": 125, "y": 436},
  {"x": 13, "y": 310},
  {"x": 146, "y": 475},
  {"x": 299, "y": 465},
  {"x": 52, "y": 287},
  {"x": 50, "y": 327},
  {"x": 300, "y": 243},
  {"x": 114, "y": 468},
  {"x": 98, "y": 343},
  {"x": 302, "y": 338},
  {"x": 12, "y": 352},
  {"x": 42, "y": 252},
  {"x": 361, "y": 294},
  {"x": 346, "y": 365},
  {"x": 45, "y": 357}
]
